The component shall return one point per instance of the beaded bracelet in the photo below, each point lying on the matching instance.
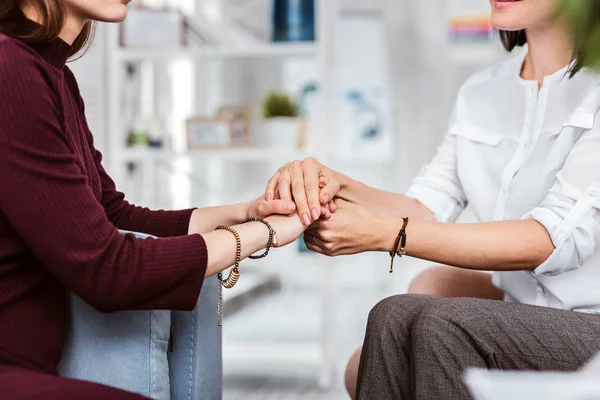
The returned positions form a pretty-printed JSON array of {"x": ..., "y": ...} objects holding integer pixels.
[
  {"x": 401, "y": 243},
  {"x": 234, "y": 275},
  {"x": 272, "y": 242}
]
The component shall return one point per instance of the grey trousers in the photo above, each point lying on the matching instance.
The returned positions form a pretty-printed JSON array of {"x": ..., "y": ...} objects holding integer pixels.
[{"x": 418, "y": 347}]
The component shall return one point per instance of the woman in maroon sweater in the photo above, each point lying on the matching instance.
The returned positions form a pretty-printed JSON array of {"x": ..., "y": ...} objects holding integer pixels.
[{"x": 60, "y": 212}]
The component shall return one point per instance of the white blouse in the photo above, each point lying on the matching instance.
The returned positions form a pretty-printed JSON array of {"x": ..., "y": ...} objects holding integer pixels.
[{"x": 515, "y": 152}]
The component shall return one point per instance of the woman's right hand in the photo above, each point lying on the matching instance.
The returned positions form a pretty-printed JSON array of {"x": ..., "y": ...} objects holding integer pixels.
[{"x": 310, "y": 184}]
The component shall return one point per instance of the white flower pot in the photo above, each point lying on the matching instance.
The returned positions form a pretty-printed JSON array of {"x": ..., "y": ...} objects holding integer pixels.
[{"x": 280, "y": 133}]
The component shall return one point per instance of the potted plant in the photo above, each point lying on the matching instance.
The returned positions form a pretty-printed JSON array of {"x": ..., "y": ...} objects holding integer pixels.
[
  {"x": 281, "y": 122},
  {"x": 579, "y": 14}
]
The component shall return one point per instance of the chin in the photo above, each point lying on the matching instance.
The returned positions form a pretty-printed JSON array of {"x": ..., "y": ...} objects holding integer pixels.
[
  {"x": 507, "y": 23},
  {"x": 116, "y": 14},
  {"x": 516, "y": 15}
]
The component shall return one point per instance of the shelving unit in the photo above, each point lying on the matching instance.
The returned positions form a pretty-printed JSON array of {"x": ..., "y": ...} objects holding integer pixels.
[
  {"x": 241, "y": 154},
  {"x": 275, "y": 50},
  {"x": 119, "y": 157}
]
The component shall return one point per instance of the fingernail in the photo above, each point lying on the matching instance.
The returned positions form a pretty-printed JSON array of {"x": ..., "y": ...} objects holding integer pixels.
[
  {"x": 306, "y": 219},
  {"x": 326, "y": 198},
  {"x": 269, "y": 197},
  {"x": 290, "y": 207},
  {"x": 315, "y": 214}
]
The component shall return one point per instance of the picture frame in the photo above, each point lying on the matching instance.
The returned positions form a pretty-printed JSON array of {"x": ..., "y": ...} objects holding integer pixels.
[
  {"x": 239, "y": 120},
  {"x": 208, "y": 133}
]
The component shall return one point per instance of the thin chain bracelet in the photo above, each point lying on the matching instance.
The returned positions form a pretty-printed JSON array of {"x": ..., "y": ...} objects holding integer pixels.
[
  {"x": 272, "y": 242},
  {"x": 234, "y": 275}
]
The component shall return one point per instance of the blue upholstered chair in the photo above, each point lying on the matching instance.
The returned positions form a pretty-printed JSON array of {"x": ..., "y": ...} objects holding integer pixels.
[{"x": 130, "y": 350}]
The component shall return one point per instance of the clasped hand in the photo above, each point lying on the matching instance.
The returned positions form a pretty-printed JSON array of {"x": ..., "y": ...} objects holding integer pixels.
[{"x": 333, "y": 227}]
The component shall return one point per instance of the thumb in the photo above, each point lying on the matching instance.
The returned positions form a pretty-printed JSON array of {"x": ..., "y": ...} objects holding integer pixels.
[
  {"x": 280, "y": 207},
  {"x": 329, "y": 188}
]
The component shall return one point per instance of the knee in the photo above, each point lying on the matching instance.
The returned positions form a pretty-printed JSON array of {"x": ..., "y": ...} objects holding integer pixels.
[
  {"x": 381, "y": 310},
  {"x": 437, "y": 320},
  {"x": 432, "y": 321},
  {"x": 429, "y": 282},
  {"x": 351, "y": 374},
  {"x": 382, "y": 313}
]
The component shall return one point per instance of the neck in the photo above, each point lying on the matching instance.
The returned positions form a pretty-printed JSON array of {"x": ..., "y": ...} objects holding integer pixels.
[
  {"x": 550, "y": 50},
  {"x": 71, "y": 28}
]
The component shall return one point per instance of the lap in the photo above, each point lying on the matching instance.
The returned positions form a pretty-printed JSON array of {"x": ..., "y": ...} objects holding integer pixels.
[
  {"x": 513, "y": 335},
  {"x": 17, "y": 384},
  {"x": 420, "y": 346}
]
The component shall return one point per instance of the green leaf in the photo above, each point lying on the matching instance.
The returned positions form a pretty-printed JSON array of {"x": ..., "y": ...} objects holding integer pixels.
[{"x": 278, "y": 104}]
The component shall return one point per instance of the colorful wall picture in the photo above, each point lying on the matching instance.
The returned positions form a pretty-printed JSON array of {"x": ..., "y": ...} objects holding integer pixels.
[
  {"x": 469, "y": 22},
  {"x": 477, "y": 29}
]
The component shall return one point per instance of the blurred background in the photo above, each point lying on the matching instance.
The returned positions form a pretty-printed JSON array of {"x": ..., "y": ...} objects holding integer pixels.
[{"x": 197, "y": 103}]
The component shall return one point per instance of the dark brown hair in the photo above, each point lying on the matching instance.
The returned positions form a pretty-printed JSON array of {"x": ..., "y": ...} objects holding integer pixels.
[
  {"x": 13, "y": 22},
  {"x": 512, "y": 39}
]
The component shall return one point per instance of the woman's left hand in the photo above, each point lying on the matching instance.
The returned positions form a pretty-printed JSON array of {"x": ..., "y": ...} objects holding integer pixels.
[{"x": 352, "y": 229}]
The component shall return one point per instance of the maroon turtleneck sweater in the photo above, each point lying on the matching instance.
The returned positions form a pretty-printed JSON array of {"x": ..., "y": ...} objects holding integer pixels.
[{"x": 60, "y": 214}]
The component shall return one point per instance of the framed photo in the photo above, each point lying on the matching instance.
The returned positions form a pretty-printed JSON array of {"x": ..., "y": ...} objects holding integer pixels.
[
  {"x": 239, "y": 121},
  {"x": 208, "y": 132}
]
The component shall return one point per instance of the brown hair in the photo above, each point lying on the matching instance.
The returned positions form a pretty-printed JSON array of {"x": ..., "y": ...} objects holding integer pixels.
[{"x": 52, "y": 12}]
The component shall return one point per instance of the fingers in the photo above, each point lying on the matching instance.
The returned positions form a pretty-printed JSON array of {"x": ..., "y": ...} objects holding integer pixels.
[
  {"x": 284, "y": 183},
  {"x": 332, "y": 207},
  {"x": 314, "y": 243},
  {"x": 299, "y": 193},
  {"x": 325, "y": 213},
  {"x": 312, "y": 247},
  {"x": 329, "y": 186},
  {"x": 309, "y": 185},
  {"x": 280, "y": 207},
  {"x": 311, "y": 170},
  {"x": 272, "y": 186}
]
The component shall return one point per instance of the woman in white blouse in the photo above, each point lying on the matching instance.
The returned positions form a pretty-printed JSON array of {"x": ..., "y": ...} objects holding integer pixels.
[{"x": 523, "y": 150}]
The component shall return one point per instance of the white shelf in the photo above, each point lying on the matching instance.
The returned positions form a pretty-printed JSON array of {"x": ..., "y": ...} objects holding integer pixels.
[
  {"x": 244, "y": 154},
  {"x": 228, "y": 154},
  {"x": 275, "y": 50}
]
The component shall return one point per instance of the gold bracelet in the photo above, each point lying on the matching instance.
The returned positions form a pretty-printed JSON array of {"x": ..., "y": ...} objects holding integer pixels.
[{"x": 234, "y": 275}]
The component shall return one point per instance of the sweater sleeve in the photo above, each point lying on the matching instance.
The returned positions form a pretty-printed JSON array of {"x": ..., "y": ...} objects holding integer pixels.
[
  {"x": 119, "y": 211},
  {"x": 45, "y": 196}
]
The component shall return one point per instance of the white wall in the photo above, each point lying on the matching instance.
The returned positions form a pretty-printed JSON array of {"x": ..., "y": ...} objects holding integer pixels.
[{"x": 427, "y": 78}]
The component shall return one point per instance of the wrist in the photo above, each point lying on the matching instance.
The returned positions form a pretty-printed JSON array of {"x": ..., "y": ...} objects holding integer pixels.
[
  {"x": 256, "y": 236},
  {"x": 243, "y": 211},
  {"x": 386, "y": 230}
]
